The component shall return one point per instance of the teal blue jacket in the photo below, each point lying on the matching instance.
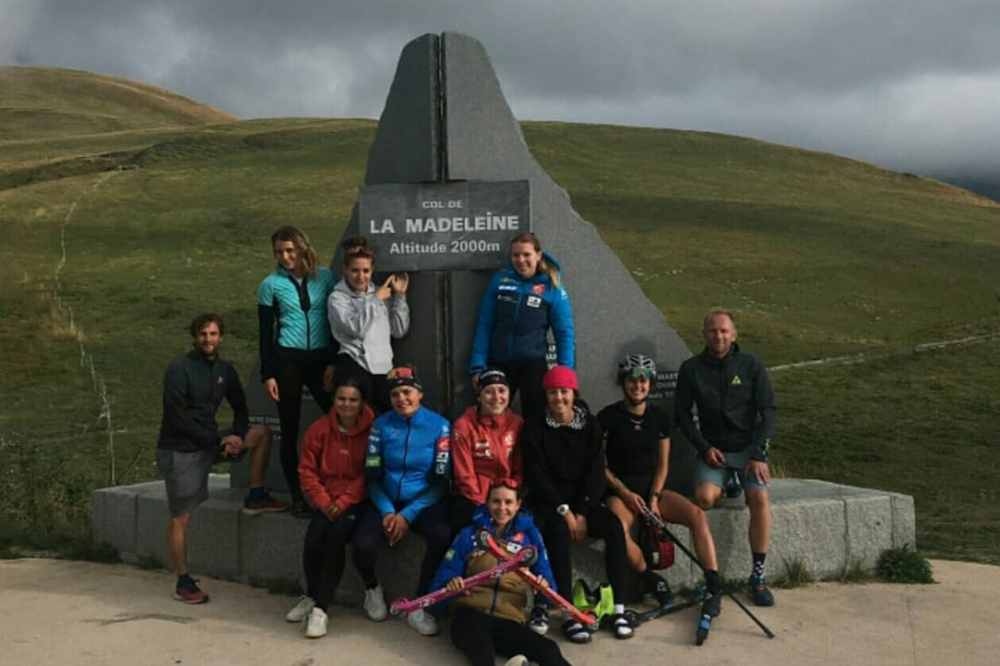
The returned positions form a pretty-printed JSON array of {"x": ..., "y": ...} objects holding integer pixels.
[{"x": 293, "y": 316}]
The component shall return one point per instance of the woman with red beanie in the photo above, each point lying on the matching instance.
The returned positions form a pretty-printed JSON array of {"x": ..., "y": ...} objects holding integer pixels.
[
  {"x": 484, "y": 447},
  {"x": 564, "y": 469}
]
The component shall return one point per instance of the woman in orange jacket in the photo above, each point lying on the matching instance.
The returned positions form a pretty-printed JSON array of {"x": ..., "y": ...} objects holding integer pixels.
[
  {"x": 484, "y": 447},
  {"x": 332, "y": 474}
]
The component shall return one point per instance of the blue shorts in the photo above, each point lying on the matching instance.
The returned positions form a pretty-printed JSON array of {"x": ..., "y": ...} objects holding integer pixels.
[{"x": 705, "y": 473}]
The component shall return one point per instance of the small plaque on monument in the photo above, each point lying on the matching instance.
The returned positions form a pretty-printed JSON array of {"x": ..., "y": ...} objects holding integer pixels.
[{"x": 443, "y": 226}]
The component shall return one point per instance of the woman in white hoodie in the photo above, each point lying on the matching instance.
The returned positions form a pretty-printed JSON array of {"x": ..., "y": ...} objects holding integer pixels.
[{"x": 364, "y": 318}]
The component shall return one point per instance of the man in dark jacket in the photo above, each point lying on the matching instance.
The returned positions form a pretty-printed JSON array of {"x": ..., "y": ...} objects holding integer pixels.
[
  {"x": 736, "y": 416},
  {"x": 190, "y": 442}
]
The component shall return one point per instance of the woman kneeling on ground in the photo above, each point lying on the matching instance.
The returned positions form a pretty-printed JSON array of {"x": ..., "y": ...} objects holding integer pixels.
[
  {"x": 332, "y": 473},
  {"x": 408, "y": 468},
  {"x": 484, "y": 446},
  {"x": 637, "y": 442},
  {"x": 564, "y": 471},
  {"x": 490, "y": 618}
]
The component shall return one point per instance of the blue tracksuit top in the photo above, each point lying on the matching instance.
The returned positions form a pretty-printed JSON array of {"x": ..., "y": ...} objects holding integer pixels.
[
  {"x": 521, "y": 530},
  {"x": 408, "y": 463},
  {"x": 299, "y": 311},
  {"x": 515, "y": 316}
]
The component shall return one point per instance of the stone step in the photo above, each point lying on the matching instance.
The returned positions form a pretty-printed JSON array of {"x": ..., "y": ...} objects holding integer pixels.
[{"x": 830, "y": 528}]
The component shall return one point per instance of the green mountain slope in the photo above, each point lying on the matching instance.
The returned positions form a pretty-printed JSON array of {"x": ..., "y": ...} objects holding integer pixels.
[{"x": 819, "y": 255}]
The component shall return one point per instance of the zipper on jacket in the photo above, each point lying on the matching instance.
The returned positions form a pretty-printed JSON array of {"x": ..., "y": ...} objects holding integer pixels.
[
  {"x": 517, "y": 315},
  {"x": 406, "y": 450}
]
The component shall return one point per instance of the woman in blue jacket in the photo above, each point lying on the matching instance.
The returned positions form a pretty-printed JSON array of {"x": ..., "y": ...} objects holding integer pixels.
[
  {"x": 521, "y": 304},
  {"x": 490, "y": 618},
  {"x": 296, "y": 347},
  {"x": 408, "y": 467}
]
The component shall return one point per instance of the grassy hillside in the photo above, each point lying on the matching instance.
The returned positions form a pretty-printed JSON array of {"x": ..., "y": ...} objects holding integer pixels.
[{"x": 819, "y": 255}]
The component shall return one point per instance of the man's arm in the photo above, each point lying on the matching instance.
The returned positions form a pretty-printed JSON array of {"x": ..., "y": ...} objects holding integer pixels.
[
  {"x": 684, "y": 401},
  {"x": 238, "y": 401},
  {"x": 763, "y": 396}
]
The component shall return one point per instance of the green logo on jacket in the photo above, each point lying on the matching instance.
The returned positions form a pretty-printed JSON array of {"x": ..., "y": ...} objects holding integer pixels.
[{"x": 736, "y": 381}]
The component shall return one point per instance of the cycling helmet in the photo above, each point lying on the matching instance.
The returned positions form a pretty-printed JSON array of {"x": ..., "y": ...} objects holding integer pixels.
[{"x": 636, "y": 365}]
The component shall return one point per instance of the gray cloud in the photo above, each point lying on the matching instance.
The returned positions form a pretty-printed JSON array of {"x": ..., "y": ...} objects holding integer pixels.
[{"x": 910, "y": 84}]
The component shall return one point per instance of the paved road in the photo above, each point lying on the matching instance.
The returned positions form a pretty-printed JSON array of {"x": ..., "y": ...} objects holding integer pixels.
[{"x": 78, "y": 613}]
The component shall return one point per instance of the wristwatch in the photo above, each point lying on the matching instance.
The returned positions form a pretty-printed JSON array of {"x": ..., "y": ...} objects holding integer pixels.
[{"x": 562, "y": 509}]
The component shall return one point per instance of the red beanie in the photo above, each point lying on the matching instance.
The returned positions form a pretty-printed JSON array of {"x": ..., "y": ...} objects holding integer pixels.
[{"x": 559, "y": 376}]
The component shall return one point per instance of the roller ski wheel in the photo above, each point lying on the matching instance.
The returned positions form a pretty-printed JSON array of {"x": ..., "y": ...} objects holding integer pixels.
[{"x": 704, "y": 625}]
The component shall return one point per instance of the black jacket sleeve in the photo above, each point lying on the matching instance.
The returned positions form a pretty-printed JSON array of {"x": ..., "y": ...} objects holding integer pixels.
[
  {"x": 238, "y": 401},
  {"x": 177, "y": 412},
  {"x": 267, "y": 344},
  {"x": 542, "y": 487},
  {"x": 763, "y": 397},
  {"x": 594, "y": 480},
  {"x": 684, "y": 408}
]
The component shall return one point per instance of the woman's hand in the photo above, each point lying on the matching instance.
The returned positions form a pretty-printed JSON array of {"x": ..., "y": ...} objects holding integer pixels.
[
  {"x": 271, "y": 389},
  {"x": 384, "y": 292},
  {"x": 395, "y": 527},
  {"x": 400, "y": 283},
  {"x": 635, "y": 502},
  {"x": 328, "y": 377},
  {"x": 578, "y": 529},
  {"x": 332, "y": 512},
  {"x": 455, "y": 586}
]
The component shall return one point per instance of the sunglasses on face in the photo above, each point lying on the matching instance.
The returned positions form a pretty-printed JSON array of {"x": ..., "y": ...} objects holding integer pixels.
[{"x": 642, "y": 372}]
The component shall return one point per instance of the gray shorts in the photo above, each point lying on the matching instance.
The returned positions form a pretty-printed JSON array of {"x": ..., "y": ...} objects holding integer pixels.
[
  {"x": 186, "y": 476},
  {"x": 705, "y": 473}
]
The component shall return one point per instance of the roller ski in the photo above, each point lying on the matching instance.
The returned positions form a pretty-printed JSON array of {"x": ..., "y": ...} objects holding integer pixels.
[
  {"x": 486, "y": 540},
  {"x": 637, "y": 618},
  {"x": 525, "y": 557}
]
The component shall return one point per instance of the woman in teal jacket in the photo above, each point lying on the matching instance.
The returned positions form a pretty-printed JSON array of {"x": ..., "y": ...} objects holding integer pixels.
[{"x": 296, "y": 347}]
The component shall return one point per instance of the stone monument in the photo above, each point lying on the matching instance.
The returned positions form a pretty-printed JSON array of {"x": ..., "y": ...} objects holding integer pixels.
[{"x": 449, "y": 150}]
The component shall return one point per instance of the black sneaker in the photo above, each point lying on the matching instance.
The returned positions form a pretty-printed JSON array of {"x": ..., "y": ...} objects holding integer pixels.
[
  {"x": 712, "y": 605},
  {"x": 300, "y": 509},
  {"x": 759, "y": 591},
  {"x": 662, "y": 593}
]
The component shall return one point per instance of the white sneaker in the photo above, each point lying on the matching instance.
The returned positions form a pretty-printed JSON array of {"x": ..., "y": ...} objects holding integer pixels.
[
  {"x": 316, "y": 624},
  {"x": 301, "y": 610},
  {"x": 516, "y": 660},
  {"x": 375, "y": 604},
  {"x": 423, "y": 622}
]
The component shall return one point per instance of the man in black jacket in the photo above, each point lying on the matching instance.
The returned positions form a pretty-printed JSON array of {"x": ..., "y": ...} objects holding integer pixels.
[
  {"x": 190, "y": 442},
  {"x": 736, "y": 416}
]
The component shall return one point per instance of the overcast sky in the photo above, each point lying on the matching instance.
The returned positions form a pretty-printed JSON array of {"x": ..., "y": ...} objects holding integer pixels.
[{"x": 913, "y": 85}]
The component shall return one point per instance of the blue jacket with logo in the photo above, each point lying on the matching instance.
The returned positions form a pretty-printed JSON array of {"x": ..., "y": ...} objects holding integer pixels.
[
  {"x": 408, "y": 464},
  {"x": 515, "y": 316},
  {"x": 505, "y": 597},
  {"x": 299, "y": 312}
]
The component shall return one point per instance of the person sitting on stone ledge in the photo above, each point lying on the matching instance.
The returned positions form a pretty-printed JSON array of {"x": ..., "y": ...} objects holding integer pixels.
[
  {"x": 190, "y": 441},
  {"x": 296, "y": 347},
  {"x": 332, "y": 474},
  {"x": 408, "y": 467},
  {"x": 736, "y": 417},
  {"x": 637, "y": 442},
  {"x": 564, "y": 471},
  {"x": 521, "y": 304},
  {"x": 490, "y": 618},
  {"x": 484, "y": 446},
  {"x": 364, "y": 319}
]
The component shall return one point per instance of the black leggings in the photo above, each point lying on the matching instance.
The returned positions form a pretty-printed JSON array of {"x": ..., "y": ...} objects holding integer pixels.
[
  {"x": 432, "y": 524},
  {"x": 480, "y": 637},
  {"x": 295, "y": 368},
  {"x": 378, "y": 389},
  {"x": 601, "y": 524},
  {"x": 526, "y": 377},
  {"x": 323, "y": 553}
]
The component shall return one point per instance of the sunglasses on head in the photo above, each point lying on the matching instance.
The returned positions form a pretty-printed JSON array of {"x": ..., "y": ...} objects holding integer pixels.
[
  {"x": 396, "y": 373},
  {"x": 358, "y": 251},
  {"x": 504, "y": 482}
]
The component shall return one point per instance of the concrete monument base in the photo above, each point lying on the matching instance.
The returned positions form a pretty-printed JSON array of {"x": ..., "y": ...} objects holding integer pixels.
[{"x": 830, "y": 528}]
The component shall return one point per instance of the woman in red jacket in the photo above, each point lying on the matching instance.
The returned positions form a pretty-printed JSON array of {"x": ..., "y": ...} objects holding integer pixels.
[
  {"x": 484, "y": 447},
  {"x": 332, "y": 473}
]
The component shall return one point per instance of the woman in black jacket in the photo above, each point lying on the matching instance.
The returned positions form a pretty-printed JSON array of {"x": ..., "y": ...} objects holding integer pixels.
[{"x": 564, "y": 469}]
